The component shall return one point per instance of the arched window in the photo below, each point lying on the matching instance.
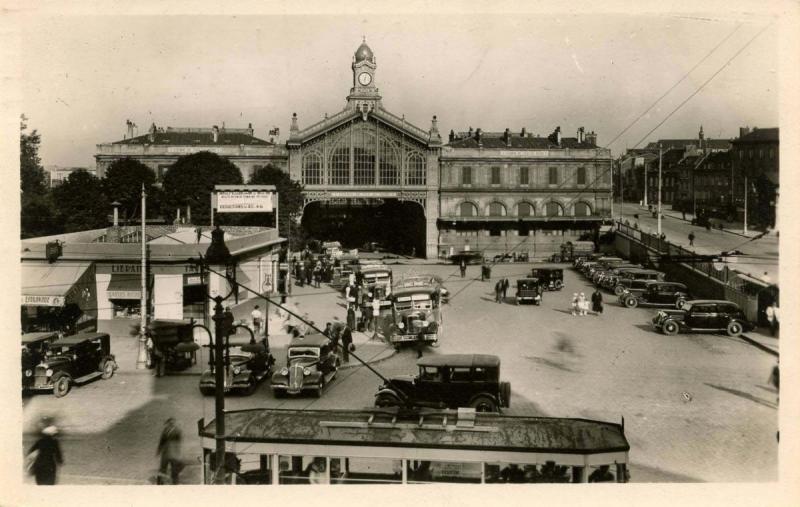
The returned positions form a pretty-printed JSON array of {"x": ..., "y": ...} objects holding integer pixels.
[
  {"x": 497, "y": 209},
  {"x": 340, "y": 164},
  {"x": 364, "y": 158},
  {"x": 415, "y": 173},
  {"x": 524, "y": 209},
  {"x": 467, "y": 209},
  {"x": 553, "y": 209},
  {"x": 582, "y": 210},
  {"x": 312, "y": 169},
  {"x": 388, "y": 163}
]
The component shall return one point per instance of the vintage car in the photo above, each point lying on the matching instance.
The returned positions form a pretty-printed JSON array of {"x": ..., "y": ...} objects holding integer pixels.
[
  {"x": 247, "y": 363},
  {"x": 174, "y": 340},
  {"x": 608, "y": 279},
  {"x": 377, "y": 277},
  {"x": 345, "y": 266},
  {"x": 449, "y": 381},
  {"x": 705, "y": 316},
  {"x": 411, "y": 280},
  {"x": 656, "y": 293},
  {"x": 571, "y": 251},
  {"x": 529, "y": 290},
  {"x": 416, "y": 310},
  {"x": 578, "y": 262},
  {"x": 551, "y": 278},
  {"x": 311, "y": 363},
  {"x": 602, "y": 263},
  {"x": 636, "y": 279},
  {"x": 468, "y": 256},
  {"x": 74, "y": 360},
  {"x": 34, "y": 349}
]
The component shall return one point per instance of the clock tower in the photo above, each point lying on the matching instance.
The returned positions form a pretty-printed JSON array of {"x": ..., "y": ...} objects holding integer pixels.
[{"x": 364, "y": 95}]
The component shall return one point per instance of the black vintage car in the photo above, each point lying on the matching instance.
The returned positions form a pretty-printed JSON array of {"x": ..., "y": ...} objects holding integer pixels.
[
  {"x": 247, "y": 363},
  {"x": 74, "y": 360},
  {"x": 552, "y": 278},
  {"x": 450, "y": 381},
  {"x": 636, "y": 279},
  {"x": 311, "y": 363},
  {"x": 34, "y": 350},
  {"x": 705, "y": 316},
  {"x": 529, "y": 290},
  {"x": 656, "y": 293},
  {"x": 174, "y": 340}
]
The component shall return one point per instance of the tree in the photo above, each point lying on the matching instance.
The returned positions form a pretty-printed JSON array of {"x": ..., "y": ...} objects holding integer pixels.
[
  {"x": 191, "y": 179},
  {"x": 80, "y": 202},
  {"x": 32, "y": 177},
  {"x": 290, "y": 199},
  {"x": 123, "y": 182},
  {"x": 37, "y": 215}
]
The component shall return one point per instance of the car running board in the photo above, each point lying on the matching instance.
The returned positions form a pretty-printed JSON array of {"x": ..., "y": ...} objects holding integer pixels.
[{"x": 88, "y": 377}]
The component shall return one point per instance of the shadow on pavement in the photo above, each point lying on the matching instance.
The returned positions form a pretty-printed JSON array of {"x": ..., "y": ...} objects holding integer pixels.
[{"x": 744, "y": 395}]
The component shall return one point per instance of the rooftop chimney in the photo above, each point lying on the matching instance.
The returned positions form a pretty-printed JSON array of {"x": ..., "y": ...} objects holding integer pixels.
[
  {"x": 507, "y": 137},
  {"x": 558, "y": 135},
  {"x": 743, "y": 131},
  {"x": 591, "y": 138},
  {"x": 294, "y": 128},
  {"x": 131, "y": 126},
  {"x": 250, "y": 129},
  {"x": 522, "y": 134},
  {"x": 151, "y": 134},
  {"x": 581, "y": 137},
  {"x": 215, "y": 133},
  {"x": 452, "y": 136}
]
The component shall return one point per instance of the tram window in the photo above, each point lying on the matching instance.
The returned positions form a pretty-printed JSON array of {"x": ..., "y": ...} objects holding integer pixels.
[
  {"x": 443, "y": 471},
  {"x": 366, "y": 471},
  {"x": 303, "y": 470},
  {"x": 514, "y": 473},
  {"x": 254, "y": 469}
]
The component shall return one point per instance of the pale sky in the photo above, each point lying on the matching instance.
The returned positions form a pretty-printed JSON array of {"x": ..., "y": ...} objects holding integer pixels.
[{"x": 83, "y": 76}]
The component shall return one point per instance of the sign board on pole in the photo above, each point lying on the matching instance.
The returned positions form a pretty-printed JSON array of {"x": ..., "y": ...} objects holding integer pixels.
[{"x": 244, "y": 198}]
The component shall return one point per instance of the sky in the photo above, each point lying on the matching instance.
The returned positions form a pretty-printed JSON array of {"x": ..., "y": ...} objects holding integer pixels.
[{"x": 82, "y": 77}]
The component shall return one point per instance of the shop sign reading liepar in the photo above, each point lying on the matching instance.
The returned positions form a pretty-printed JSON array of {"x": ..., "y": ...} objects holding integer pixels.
[{"x": 244, "y": 198}]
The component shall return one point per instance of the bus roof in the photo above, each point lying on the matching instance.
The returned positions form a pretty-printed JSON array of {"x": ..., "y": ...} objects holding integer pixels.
[
  {"x": 460, "y": 360},
  {"x": 377, "y": 427},
  {"x": 416, "y": 289},
  {"x": 375, "y": 268}
]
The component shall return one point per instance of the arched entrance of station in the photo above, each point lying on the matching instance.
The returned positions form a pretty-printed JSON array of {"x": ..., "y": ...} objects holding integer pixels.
[{"x": 397, "y": 225}]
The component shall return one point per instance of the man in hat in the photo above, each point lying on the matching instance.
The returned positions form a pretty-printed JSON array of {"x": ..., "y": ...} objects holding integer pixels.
[{"x": 169, "y": 450}]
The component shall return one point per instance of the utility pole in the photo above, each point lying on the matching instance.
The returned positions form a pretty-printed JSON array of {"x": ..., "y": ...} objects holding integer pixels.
[
  {"x": 745, "y": 204},
  {"x": 611, "y": 165},
  {"x": 645, "y": 182},
  {"x": 141, "y": 360},
  {"x": 659, "y": 190}
]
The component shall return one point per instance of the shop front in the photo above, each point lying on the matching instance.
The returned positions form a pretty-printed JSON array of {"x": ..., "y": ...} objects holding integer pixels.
[{"x": 58, "y": 297}]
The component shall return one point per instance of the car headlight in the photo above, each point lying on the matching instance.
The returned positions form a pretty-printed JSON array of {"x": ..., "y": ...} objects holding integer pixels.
[
  {"x": 49, "y": 372},
  {"x": 306, "y": 371},
  {"x": 284, "y": 371},
  {"x": 28, "y": 373},
  {"x": 237, "y": 370}
]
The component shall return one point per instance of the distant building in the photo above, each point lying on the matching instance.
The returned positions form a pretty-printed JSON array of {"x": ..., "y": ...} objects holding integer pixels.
[
  {"x": 57, "y": 174},
  {"x": 756, "y": 166},
  {"x": 160, "y": 148},
  {"x": 504, "y": 192}
]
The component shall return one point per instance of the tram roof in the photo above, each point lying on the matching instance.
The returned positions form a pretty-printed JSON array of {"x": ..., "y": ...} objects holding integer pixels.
[{"x": 438, "y": 429}]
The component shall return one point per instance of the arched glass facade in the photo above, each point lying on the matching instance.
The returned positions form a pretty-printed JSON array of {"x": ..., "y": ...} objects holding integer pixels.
[
  {"x": 389, "y": 163},
  {"x": 312, "y": 169},
  {"x": 582, "y": 210},
  {"x": 363, "y": 157},
  {"x": 524, "y": 209},
  {"x": 415, "y": 173},
  {"x": 467, "y": 209},
  {"x": 340, "y": 164},
  {"x": 553, "y": 209}
]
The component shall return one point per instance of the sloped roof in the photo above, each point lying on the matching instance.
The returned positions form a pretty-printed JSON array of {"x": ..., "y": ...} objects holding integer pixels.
[
  {"x": 714, "y": 144},
  {"x": 196, "y": 137},
  {"x": 759, "y": 136},
  {"x": 494, "y": 140}
]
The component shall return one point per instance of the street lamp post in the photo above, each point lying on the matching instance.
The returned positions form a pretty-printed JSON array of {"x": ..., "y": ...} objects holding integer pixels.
[{"x": 659, "y": 191}]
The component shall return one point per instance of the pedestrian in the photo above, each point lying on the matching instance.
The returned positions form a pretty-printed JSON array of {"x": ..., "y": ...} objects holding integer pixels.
[
  {"x": 684, "y": 214},
  {"x": 257, "y": 319},
  {"x": 505, "y": 288},
  {"x": 691, "y": 239},
  {"x": 583, "y": 304},
  {"x": 498, "y": 290},
  {"x": 328, "y": 330},
  {"x": 309, "y": 273},
  {"x": 575, "y": 303},
  {"x": 336, "y": 332},
  {"x": 376, "y": 315},
  {"x": 45, "y": 455},
  {"x": 301, "y": 274},
  {"x": 347, "y": 343},
  {"x": 351, "y": 316},
  {"x": 420, "y": 342},
  {"x": 772, "y": 317},
  {"x": 169, "y": 451},
  {"x": 483, "y": 270},
  {"x": 317, "y": 275},
  {"x": 597, "y": 301},
  {"x": 463, "y": 268}
]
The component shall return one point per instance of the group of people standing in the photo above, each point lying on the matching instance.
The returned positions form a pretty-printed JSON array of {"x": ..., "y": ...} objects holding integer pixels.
[
  {"x": 312, "y": 271},
  {"x": 580, "y": 304},
  {"x": 500, "y": 290},
  {"x": 343, "y": 334}
]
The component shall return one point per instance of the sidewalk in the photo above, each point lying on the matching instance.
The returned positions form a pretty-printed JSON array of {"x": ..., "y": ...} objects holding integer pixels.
[
  {"x": 761, "y": 338},
  {"x": 736, "y": 228}
]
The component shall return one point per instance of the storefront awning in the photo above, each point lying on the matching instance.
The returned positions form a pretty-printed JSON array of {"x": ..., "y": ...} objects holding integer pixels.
[
  {"x": 48, "y": 284},
  {"x": 125, "y": 286}
]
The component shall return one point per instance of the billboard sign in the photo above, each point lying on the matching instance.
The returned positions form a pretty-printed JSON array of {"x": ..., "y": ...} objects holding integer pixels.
[{"x": 244, "y": 198}]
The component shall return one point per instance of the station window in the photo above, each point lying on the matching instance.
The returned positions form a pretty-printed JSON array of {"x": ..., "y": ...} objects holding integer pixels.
[
  {"x": 416, "y": 170},
  {"x": 364, "y": 158},
  {"x": 466, "y": 176},
  {"x": 340, "y": 166},
  {"x": 524, "y": 209},
  {"x": 495, "y": 175},
  {"x": 312, "y": 169},
  {"x": 524, "y": 176},
  {"x": 388, "y": 164},
  {"x": 553, "y": 176},
  {"x": 581, "y": 176}
]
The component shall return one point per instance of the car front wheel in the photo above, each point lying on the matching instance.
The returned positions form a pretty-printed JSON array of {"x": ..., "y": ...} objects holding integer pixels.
[
  {"x": 108, "y": 369},
  {"x": 670, "y": 327},
  {"x": 734, "y": 329},
  {"x": 618, "y": 290},
  {"x": 631, "y": 302},
  {"x": 385, "y": 400},
  {"x": 61, "y": 386},
  {"x": 483, "y": 404}
]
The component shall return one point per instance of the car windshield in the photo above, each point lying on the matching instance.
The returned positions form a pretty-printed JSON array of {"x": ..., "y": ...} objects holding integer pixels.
[{"x": 310, "y": 352}]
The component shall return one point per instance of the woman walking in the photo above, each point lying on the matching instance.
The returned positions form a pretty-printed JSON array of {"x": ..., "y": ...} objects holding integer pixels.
[
  {"x": 46, "y": 455},
  {"x": 597, "y": 302},
  {"x": 583, "y": 304}
]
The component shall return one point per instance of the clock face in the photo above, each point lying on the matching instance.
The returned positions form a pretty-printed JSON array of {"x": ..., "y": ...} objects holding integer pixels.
[{"x": 364, "y": 78}]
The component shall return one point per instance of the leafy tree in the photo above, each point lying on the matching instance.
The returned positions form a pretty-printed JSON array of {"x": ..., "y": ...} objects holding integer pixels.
[
  {"x": 191, "y": 179},
  {"x": 123, "y": 182},
  {"x": 32, "y": 177},
  {"x": 37, "y": 215},
  {"x": 290, "y": 202},
  {"x": 80, "y": 202}
]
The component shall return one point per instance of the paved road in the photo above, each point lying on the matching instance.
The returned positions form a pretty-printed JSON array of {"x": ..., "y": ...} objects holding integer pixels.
[
  {"x": 696, "y": 407},
  {"x": 760, "y": 255}
]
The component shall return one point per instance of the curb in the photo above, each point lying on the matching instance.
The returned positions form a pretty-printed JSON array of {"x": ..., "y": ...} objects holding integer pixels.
[
  {"x": 378, "y": 359},
  {"x": 759, "y": 345}
]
